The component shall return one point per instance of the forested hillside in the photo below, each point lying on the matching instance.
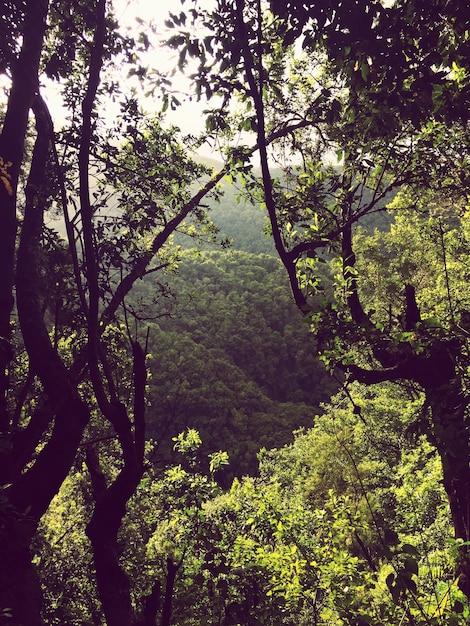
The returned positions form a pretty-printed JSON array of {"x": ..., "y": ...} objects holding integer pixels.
[
  {"x": 234, "y": 360},
  {"x": 243, "y": 224},
  {"x": 236, "y": 392}
]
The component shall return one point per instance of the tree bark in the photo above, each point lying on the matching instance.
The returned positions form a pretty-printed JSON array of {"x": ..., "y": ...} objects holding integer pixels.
[
  {"x": 31, "y": 492},
  {"x": 167, "y": 608},
  {"x": 20, "y": 590},
  {"x": 151, "y": 605},
  {"x": 36, "y": 487},
  {"x": 449, "y": 433},
  {"x": 19, "y": 587},
  {"x": 436, "y": 372},
  {"x": 24, "y": 73},
  {"x": 110, "y": 501},
  {"x": 102, "y": 530}
]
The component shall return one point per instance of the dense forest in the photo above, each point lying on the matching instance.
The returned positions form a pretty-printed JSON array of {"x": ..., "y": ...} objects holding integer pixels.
[
  {"x": 234, "y": 391},
  {"x": 231, "y": 311}
]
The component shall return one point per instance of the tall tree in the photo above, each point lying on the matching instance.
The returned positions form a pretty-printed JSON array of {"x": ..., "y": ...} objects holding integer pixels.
[
  {"x": 387, "y": 90},
  {"x": 70, "y": 291},
  {"x": 19, "y": 589},
  {"x": 24, "y": 76}
]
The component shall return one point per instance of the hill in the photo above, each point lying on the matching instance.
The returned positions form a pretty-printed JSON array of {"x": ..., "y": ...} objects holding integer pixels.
[{"x": 234, "y": 358}]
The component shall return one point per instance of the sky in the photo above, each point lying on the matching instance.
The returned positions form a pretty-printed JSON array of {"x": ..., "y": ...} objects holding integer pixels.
[{"x": 189, "y": 116}]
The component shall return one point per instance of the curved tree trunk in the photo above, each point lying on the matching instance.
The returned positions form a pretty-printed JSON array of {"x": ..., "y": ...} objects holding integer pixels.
[
  {"x": 23, "y": 88},
  {"x": 31, "y": 491},
  {"x": 19, "y": 587},
  {"x": 103, "y": 528},
  {"x": 436, "y": 372},
  {"x": 110, "y": 501},
  {"x": 450, "y": 435},
  {"x": 110, "y": 508}
]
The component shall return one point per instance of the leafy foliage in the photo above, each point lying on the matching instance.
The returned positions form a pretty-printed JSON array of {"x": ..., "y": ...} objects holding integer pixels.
[
  {"x": 376, "y": 92},
  {"x": 356, "y": 110}
]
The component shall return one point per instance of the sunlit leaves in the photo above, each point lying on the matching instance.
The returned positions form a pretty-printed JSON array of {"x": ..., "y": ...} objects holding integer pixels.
[
  {"x": 217, "y": 460},
  {"x": 396, "y": 59},
  {"x": 187, "y": 442}
]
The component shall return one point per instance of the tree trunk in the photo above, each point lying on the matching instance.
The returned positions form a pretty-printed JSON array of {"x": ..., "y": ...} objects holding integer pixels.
[
  {"x": 449, "y": 433},
  {"x": 31, "y": 492},
  {"x": 20, "y": 590},
  {"x": 19, "y": 587},
  {"x": 436, "y": 372},
  {"x": 102, "y": 530},
  {"x": 24, "y": 73},
  {"x": 151, "y": 605},
  {"x": 167, "y": 608},
  {"x": 110, "y": 501}
]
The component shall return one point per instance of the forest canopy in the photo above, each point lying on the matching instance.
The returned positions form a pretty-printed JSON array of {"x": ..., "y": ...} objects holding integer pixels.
[{"x": 234, "y": 392}]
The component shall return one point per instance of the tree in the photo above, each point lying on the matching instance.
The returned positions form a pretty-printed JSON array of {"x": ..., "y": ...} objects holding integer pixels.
[
  {"x": 372, "y": 87},
  {"x": 404, "y": 62},
  {"x": 374, "y": 540},
  {"x": 60, "y": 383},
  {"x": 348, "y": 522}
]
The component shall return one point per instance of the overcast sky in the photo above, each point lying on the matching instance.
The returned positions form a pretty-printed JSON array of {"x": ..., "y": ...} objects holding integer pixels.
[{"x": 189, "y": 116}]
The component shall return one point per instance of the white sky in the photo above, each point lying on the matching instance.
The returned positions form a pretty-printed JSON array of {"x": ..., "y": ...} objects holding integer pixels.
[{"x": 189, "y": 116}]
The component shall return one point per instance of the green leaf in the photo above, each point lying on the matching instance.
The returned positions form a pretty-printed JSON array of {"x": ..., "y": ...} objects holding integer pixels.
[{"x": 365, "y": 71}]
